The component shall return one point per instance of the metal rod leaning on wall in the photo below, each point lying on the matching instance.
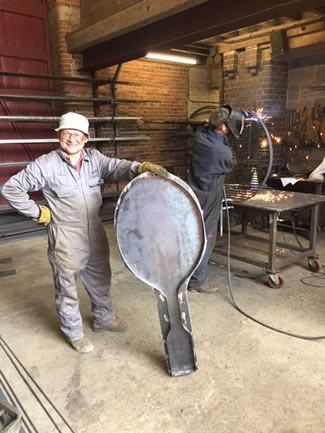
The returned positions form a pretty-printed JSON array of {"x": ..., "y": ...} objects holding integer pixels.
[
  {"x": 66, "y": 78},
  {"x": 116, "y": 127},
  {"x": 49, "y": 98},
  {"x": 55, "y": 119},
  {"x": 16, "y": 129},
  {"x": 55, "y": 140}
]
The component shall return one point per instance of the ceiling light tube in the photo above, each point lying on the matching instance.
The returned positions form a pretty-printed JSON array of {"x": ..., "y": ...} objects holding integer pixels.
[{"x": 171, "y": 58}]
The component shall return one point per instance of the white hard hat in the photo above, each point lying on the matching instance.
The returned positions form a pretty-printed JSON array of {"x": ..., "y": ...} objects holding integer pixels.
[{"x": 74, "y": 121}]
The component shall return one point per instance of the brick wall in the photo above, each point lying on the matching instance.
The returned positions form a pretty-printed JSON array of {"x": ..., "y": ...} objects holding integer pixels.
[
  {"x": 252, "y": 80},
  {"x": 64, "y": 17},
  {"x": 165, "y": 84}
]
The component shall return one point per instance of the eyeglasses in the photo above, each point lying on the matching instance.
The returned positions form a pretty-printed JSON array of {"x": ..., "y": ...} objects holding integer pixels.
[{"x": 73, "y": 135}]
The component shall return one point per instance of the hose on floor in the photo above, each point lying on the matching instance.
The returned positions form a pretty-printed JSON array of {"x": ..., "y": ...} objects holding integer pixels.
[
  {"x": 232, "y": 299},
  {"x": 254, "y": 117}
]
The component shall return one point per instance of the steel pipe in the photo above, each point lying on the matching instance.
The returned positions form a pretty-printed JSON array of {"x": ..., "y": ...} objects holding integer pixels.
[
  {"x": 55, "y": 140},
  {"x": 50, "y": 98},
  {"x": 53, "y": 119}
]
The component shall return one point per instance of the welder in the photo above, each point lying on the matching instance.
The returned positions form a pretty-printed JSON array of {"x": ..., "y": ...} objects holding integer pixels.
[
  {"x": 211, "y": 160},
  {"x": 70, "y": 179}
]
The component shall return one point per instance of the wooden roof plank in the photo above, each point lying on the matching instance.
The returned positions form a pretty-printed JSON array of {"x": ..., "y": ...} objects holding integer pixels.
[{"x": 209, "y": 19}]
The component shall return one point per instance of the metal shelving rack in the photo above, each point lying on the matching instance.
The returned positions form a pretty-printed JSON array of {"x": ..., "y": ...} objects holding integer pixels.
[
  {"x": 96, "y": 101},
  {"x": 96, "y": 121}
]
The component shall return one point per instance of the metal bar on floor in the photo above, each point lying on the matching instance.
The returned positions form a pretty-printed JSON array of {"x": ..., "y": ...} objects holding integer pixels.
[
  {"x": 28, "y": 379},
  {"x": 15, "y": 401}
]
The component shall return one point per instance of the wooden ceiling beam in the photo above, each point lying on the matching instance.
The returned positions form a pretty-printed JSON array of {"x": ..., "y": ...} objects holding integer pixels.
[
  {"x": 122, "y": 17},
  {"x": 204, "y": 21},
  {"x": 313, "y": 34},
  {"x": 267, "y": 30}
]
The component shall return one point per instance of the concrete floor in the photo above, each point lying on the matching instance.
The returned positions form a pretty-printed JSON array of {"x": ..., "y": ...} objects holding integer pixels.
[{"x": 250, "y": 379}]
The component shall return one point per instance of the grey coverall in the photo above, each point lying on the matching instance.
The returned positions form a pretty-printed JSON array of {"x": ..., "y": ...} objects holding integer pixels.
[
  {"x": 211, "y": 160},
  {"x": 77, "y": 243}
]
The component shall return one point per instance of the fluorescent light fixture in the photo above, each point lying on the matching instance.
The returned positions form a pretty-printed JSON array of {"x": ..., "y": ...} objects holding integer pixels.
[{"x": 171, "y": 58}]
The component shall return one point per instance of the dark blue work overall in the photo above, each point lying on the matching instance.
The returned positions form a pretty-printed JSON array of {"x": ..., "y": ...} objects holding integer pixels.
[{"x": 211, "y": 160}]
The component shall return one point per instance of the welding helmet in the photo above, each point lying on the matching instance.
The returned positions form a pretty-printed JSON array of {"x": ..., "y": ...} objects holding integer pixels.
[
  {"x": 74, "y": 121},
  {"x": 235, "y": 120}
]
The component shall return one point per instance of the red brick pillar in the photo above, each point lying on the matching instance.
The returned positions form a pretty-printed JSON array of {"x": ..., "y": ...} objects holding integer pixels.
[{"x": 64, "y": 18}]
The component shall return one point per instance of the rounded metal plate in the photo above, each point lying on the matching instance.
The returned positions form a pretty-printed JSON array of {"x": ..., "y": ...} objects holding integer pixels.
[{"x": 160, "y": 230}]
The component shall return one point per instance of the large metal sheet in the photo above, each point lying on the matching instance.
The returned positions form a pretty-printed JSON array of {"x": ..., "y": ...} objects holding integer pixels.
[{"x": 161, "y": 237}]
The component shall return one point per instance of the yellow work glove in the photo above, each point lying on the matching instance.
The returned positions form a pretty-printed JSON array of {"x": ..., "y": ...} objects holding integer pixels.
[
  {"x": 153, "y": 168},
  {"x": 45, "y": 216}
]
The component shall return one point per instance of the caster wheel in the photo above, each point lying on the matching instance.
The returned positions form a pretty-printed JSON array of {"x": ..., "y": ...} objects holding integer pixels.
[
  {"x": 275, "y": 281},
  {"x": 314, "y": 265}
]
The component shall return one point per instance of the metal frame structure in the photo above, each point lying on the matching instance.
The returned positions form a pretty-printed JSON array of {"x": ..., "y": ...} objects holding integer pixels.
[
  {"x": 97, "y": 120},
  {"x": 20, "y": 229},
  {"x": 288, "y": 201}
]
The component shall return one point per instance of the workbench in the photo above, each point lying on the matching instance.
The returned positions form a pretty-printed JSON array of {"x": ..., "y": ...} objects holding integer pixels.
[
  {"x": 304, "y": 185},
  {"x": 271, "y": 203}
]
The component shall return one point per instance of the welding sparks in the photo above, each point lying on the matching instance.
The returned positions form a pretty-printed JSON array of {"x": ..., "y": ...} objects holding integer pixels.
[
  {"x": 276, "y": 139},
  {"x": 258, "y": 115},
  {"x": 270, "y": 197},
  {"x": 264, "y": 143}
]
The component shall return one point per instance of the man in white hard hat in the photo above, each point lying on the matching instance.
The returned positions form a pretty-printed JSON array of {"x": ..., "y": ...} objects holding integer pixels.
[{"x": 70, "y": 179}]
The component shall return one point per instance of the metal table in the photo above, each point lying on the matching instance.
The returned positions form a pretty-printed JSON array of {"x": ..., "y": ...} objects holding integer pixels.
[
  {"x": 303, "y": 185},
  {"x": 271, "y": 203}
]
